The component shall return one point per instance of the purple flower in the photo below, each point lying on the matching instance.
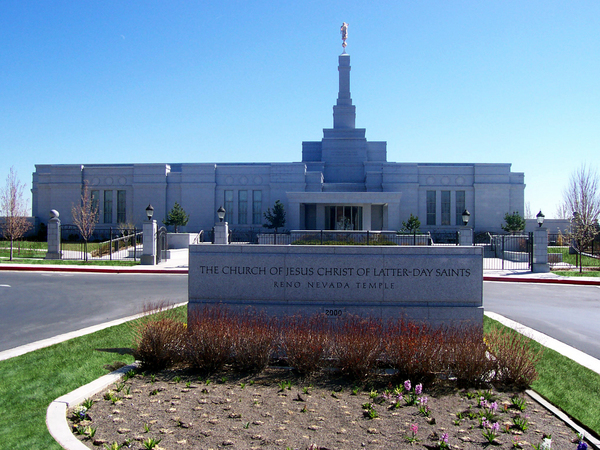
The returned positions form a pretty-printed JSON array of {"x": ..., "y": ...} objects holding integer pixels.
[
  {"x": 493, "y": 406},
  {"x": 399, "y": 396},
  {"x": 582, "y": 446},
  {"x": 495, "y": 427},
  {"x": 418, "y": 389},
  {"x": 484, "y": 423},
  {"x": 407, "y": 385},
  {"x": 422, "y": 400},
  {"x": 445, "y": 438}
]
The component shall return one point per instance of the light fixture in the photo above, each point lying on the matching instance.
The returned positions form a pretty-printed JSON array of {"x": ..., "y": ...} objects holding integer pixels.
[
  {"x": 221, "y": 213},
  {"x": 466, "y": 215},
  {"x": 149, "y": 212},
  {"x": 540, "y": 218}
]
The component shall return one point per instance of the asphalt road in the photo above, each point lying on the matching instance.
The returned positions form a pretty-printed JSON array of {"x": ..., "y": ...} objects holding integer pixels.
[
  {"x": 568, "y": 313},
  {"x": 39, "y": 305}
]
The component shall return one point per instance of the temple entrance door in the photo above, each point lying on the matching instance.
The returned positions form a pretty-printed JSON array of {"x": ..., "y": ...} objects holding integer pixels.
[{"x": 343, "y": 217}]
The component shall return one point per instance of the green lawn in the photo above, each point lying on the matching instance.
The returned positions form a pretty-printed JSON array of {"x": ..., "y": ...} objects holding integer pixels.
[
  {"x": 572, "y": 273},
  {"x": 571, "y": 259},
  {"x": 68, "y": 262},
  {"x": 29, "y": 383}
]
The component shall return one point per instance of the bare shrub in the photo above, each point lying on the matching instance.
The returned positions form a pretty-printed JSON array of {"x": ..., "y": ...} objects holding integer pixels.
[
  {"x": 210, "y": 338},
  {"x": 514, "y": 359},
  {"x": 159, "y": 343},
  {"x": 357, "y": 345},
  {"x": 254, "y": 338},
  {"x": 466, "y": 355},
  {"x": 306, "y": 342},
  {"x": 414, "y": 350}
]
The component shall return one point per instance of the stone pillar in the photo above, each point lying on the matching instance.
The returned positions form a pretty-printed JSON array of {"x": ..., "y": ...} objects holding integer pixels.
[
  {"x": 149, "y": 250},
  {"x": 465, "y": 236},
  {"x": 540, "y": 250},
  {"x": 54, "y": 236},
  {"x": 221, "y": 233}
]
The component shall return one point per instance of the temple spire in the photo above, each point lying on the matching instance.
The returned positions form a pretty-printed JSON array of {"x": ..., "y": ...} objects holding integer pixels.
[{"x": 344, "y": 113}]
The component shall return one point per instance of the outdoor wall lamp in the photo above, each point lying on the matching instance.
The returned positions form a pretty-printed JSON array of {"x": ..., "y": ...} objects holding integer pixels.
[
  {"x": 540, "y": 218},
  {"x": 149, "y": 212},
  {"x": 221, "y": 213},
  {"x": 466, "y": 215}
]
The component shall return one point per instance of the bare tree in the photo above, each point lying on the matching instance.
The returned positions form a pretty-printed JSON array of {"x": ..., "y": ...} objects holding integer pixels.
[
  {"x": 13, "y": 208},
  {"x": 528, "y": 214},
  {"x": 581, "y": 199},
  {"x": 85, "y": 215}
]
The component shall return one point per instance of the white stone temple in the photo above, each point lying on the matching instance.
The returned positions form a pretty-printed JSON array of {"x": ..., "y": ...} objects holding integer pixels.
[{"x": 342, "y": 182}]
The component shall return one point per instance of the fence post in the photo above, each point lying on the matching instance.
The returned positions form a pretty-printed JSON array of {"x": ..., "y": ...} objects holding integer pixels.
[
  {"x": 134, "y": 243},
  {"x": 367, "y": 237},
  {"x": 110, "y": 244},
  {"x": 502, "y": 252},
  {"x": 414, "y": 237},
  {"x": 540, "y": 250},
  {"x": 321, "y": 237},
  {"x": 54, "y": 236}
]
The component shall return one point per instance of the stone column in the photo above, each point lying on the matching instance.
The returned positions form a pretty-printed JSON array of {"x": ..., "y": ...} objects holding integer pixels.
[
  {"x": 54, "y": 236},
  {"x": 149, "y": 249},
  {"x": 540, "y": 250},
  {"x": 221, "y": 233},
  {"x": 465, "y": 236}
]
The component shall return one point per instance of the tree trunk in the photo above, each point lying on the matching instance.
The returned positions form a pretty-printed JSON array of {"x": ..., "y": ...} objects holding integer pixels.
[{"x": 11, "y": 249}]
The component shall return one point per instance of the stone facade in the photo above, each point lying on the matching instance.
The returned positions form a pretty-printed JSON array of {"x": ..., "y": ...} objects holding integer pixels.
[{"x": 342, "y": 182}]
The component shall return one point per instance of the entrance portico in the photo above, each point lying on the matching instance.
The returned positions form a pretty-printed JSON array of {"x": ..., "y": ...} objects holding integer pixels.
[{"x": 373, "y": 211}]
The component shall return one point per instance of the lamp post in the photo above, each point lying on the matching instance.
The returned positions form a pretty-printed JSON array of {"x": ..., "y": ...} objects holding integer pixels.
[
  {"x": 540, "y": 218},
  {"x": 465, "y": 234},
  {"x": 149, "y": 238},
  {"x": 221, "y": 213},
  {"x": 540, "y": 246},
  {"x": 466, "y": 215},
  {"x": 149, "y": 212},
  {"x": 221, "y": 228}
]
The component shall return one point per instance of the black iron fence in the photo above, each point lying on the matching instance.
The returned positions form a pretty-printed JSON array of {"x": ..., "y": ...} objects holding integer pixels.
[
  {"x": 112, "y": 244},
  {"x": 507, "y": 251},
  {"x": 564, "y": 252}
]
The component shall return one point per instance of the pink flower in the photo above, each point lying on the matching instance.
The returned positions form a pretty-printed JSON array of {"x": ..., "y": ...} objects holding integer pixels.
[
  {"x": 407, "y": 385},
  {"x": 414, "y": 428},
  {"x": 418, "y": 389}
]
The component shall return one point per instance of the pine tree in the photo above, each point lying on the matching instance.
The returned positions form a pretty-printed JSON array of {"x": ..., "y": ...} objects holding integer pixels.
[
  {"x": 276, "y": 217},
  {"x": 177, "y": 217},
  {"x": 514, "y": 222}
]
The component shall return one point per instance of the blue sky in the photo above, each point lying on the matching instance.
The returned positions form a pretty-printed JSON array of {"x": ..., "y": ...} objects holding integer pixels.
[{"x": 230, "y": 81}]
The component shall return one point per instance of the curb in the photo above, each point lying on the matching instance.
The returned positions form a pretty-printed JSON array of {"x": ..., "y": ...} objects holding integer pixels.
[
  {"x": 562, "y": 416},
  {"x": 56, "y": 414},
  {"x": 544, "y": 280},
  {"x": 117, "y": 270}
]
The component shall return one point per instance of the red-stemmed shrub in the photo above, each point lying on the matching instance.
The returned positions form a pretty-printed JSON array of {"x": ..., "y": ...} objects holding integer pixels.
[
  {"x": 254, "y": 340},
  {"x": 306, "y": 342},
  {"x": 159, "y": 344},
  {"x": 514, "y": 359},
  {"x": 466, "y": 355},
  {"x": 357, "y": 345},
  {"x": 210, "y": 338},
  {"x": 414, "y": 350}
]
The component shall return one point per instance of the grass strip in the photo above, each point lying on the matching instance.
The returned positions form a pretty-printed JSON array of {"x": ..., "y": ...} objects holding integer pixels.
[
  {"x": 69, "y": 262},
  {"x": 564, "y": 383},
  {"x": 572, "y": 273},
  {"x": 29, "y": 383}
]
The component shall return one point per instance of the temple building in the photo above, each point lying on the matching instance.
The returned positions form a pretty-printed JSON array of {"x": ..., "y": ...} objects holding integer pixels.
[{"x": 343, "y": 182}]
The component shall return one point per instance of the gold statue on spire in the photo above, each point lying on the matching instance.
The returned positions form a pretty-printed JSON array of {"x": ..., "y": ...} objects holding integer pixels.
[{"x": 344, "y": 32}]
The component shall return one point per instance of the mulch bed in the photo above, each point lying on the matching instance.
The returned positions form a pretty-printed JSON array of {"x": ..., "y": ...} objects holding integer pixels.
[{"x": 254, "y": 412}]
